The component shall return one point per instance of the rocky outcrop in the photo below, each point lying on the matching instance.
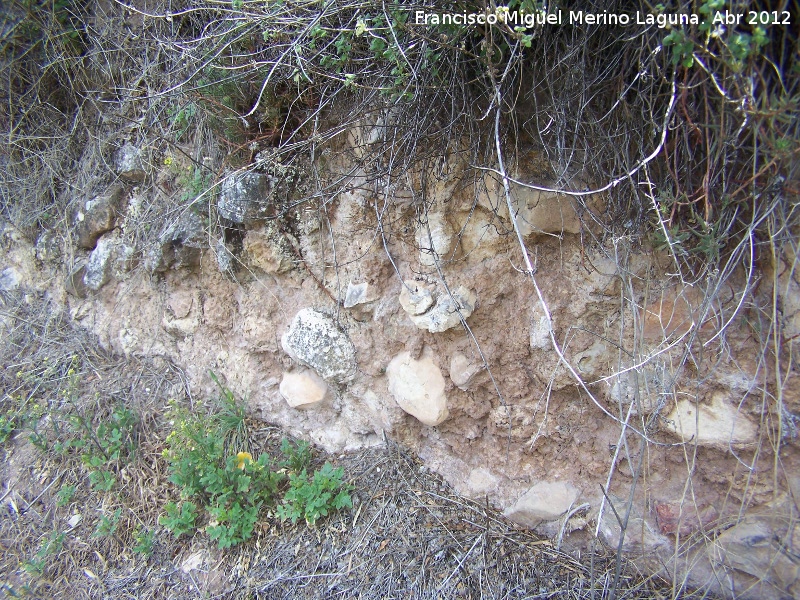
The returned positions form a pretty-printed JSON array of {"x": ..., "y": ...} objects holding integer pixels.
[
  {"x": 179, "y": 246},
  {"x": 418, "y": 387},
  {"x": 315, "y": 340}
]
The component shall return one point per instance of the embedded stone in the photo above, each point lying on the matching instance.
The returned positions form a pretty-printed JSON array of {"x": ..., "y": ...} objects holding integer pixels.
[
  {"x": 718, "y": 424},
  {"x": 128, "y": 162},
  {"x": 9, "y": 279},
  {"x": 98, "y": 267},
  {"x": 544, "y": 212},
  {"x": 438, "y": 244},
  {"x": 639, "y": 535},
  {"x": 244, "y": 198},
  {"x": 96, "y": 217},
  {"x": 303, "y": 389},
  {"x": 418, "y": 387},
  {"x": 179, "y": 246},
  {"x": 445, "y": 313},
  {"x": 463, "y": 371},
  {"x": 265, "y": 249},
  {"x": 545, "y": 501},
  {"x": 415, "y": 297},
  {"x": 315, "y": 340}
]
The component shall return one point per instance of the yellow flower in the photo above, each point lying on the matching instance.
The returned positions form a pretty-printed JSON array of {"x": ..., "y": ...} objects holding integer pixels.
[
  {"x": 168, "y": 161},
  {"x": 241, "y": 459}
]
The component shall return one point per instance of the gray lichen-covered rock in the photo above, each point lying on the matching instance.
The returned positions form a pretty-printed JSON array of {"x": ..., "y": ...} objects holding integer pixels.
[
  {"x": 245, "y": 197},
  {"x": 96, "y": 217},
  {"x": 180, "y": 246},
  {"x": 128, "y": 162},
  {"x": 315, "y": 340},
  {"x": 9, "y": 279}
]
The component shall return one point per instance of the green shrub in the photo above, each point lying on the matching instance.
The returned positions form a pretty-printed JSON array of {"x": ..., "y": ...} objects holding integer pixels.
[{"x": 312, "y": 497}]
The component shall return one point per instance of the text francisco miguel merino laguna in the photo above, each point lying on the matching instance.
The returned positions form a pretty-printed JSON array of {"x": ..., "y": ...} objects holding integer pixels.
[{"x": 556, "y": 17}]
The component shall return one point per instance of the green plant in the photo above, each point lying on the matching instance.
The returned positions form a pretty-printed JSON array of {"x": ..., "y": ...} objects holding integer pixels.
[
  {"x": 145, "y": 540},
  {"x": 65, "y": 495},
  {"x": 179, "y": 519},
  {"x": 107, "y": 526},
  {"x": 312, "y": 497},
  {"x": 229, "y": 489},
  {"x": 6, "y": 428},
  {"x": 297, "y": 455},
  {"x": 51, "y": 545},
  {"x": 100, "y": 446}
]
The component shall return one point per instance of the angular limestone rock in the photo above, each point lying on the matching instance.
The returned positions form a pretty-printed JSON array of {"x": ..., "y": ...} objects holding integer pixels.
[
  {"x": 463, "y": 371},
  {"x": 128, "y": 162},
  {"x": 418, "y": 387},
  {"x": 544, "y": 212},
  {"x": 718, "y": 424},
  {"x": 98, "y": 267},
  {"x": 316, "y": 341},
  {"x": 416, "y": 297},
  {"x": 96, "y": 217},
  {"x": 244, "y": 198},
  {"x": 545, "y": 501},
  {"x": 640, "y": 536},
  {"x": 445, "y": 313},
  {"x": 303, "y": 389},
  {"x": 752, "y": 547},
  {"x": 179, "y": 246}
]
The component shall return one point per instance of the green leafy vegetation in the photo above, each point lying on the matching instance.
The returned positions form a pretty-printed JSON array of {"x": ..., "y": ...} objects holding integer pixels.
[{"x": 228, "y": 491}]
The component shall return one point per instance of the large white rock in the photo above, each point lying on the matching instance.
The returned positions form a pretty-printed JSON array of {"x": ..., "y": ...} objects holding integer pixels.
[
  {"x": 418, "y": 387},
  {"x": 545, "y": 501},
  {"x": 719, "y": 424},
  {"x": 315, "y": 340},
  {"x": 303, "y": 389}
]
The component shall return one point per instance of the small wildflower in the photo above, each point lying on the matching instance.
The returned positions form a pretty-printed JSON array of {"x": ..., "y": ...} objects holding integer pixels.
[
  {"x": 242, "y": 458},
  {"x": 168, "y": 161}
]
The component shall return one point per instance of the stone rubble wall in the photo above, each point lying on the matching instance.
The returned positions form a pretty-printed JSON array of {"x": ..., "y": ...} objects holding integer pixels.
[{"x": 399, "y": 353}]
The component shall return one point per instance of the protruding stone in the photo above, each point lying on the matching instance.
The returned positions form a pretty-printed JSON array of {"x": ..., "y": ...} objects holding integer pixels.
[
  {"x": 315, "y": 340},
  {"x": 684, "y": 518},
  {"x": 179, "y": 246},
  {"x": 128, "y": 161},
  {"x": 416, "y": 297},
  {"x": 540, "y": 331},
  {"x": 438, "y": 244},
  {"x": 752, "y": 547},
  {"x": 544, "y": 212},
  {"x": 718, "y": 424},
  {"x": 47, "y": 247},
  {"x": 445, "y": 313},
  {"x": 74, "y": 284},
  {"x": 418, "y": 387},
  {"x": 244, "y": 198},
  {"x": 303, "y": 389},
  {"x": 463, "y": 371},
  {"x": 98, "y": 267},
  {"x": 545, "y": 501},
  {"x": 356, "y": 294},
  {"x": 96, "y": 217},
  {"x": 481, "y": 482},
  {"x": 640, "y": 537}
]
